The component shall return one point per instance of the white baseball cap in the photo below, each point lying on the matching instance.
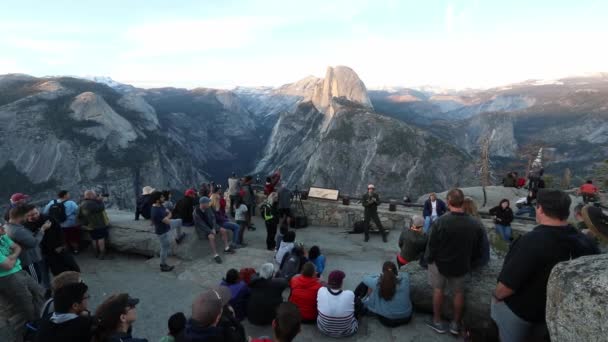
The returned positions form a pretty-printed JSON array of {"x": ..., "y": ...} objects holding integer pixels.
[{"x": 371, "y": 186}]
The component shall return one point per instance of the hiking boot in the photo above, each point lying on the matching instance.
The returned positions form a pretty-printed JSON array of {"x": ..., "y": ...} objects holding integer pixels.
[
  {"x": 439, "y": 327},
  {"x": 217, "y": 259},
  {"x": 166, "y": 268},
  {"x": 366, "y": 239},
  {"x": 455, "y": 328},
  {"x": 228, "y": 250},
  {"x": 180, "y": 238}
]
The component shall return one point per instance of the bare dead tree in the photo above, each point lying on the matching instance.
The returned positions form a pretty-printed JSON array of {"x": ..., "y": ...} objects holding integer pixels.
[{"x": 484, "y": 164}]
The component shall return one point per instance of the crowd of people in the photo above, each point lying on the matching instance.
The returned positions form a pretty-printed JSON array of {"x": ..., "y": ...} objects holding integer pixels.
[{"x": 448, "y": 239}]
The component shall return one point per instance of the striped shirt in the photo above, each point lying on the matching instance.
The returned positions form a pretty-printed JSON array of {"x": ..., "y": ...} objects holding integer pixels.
[{"x": 336, "y": 312}]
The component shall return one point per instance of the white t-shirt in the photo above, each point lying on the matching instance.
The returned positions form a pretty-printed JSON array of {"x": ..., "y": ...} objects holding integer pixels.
[
  {"x": 336, "y": 312},
  {"x": 434, "y": 205},
  {"x": 241, "y": 213}
]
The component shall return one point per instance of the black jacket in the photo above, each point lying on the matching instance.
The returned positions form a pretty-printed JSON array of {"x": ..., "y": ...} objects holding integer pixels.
[
  {"x": 124, "y": 337},
  {"x": 196, "y": 333},
  {"x": 184, "y": 209},
  {"x": 503, "y": 216},
  {"x": 76, "y": 330},
  {"x": 266, "y": 296},
  {"x": 428, "y": 208},
  {"x": 370, "y": 202},
  {"x": 143, "y": 207},
  {"x": 53, "y": 237}
]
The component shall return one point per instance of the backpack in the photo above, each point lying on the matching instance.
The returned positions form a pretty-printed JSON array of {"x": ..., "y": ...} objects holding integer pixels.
[
  {"x": 57, "y": 211},
  {"x": 290, "y": 266}
]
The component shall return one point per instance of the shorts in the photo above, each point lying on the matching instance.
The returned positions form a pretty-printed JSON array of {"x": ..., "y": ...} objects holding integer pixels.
[
  {"x": 439, "y": 281},
  {"x": 284, "y": 212},
  {"x": 99, "y": 233}
]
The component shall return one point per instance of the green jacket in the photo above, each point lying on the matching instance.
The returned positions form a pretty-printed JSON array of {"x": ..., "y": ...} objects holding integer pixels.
[{"x": 93, "y": 214}]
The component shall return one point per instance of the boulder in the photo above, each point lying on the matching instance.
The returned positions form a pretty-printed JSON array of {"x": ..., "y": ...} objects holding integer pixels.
[
  {"x": 480, "y": 285},
  {"x": 577, "y": 305},
  {"x": 138, "y": 237}
]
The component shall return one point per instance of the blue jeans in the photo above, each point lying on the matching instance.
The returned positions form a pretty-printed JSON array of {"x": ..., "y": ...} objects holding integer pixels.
[
  {"x": 511, "y": 328},
  {"x": 165, "y": 246},
  {"x": 235, "y": 228},
  {"x": 503, "y": 231},
  {"x": 428, "y": 220}
]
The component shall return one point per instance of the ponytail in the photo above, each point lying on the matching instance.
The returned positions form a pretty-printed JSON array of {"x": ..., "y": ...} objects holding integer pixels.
[{"x": 388, "y": 281}]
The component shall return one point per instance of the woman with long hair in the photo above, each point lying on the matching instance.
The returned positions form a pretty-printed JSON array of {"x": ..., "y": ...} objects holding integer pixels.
[
  {"x": 482, "y": 257},
  {"x": 223, "y": 221},
  {"x": 387, "y": 295}
]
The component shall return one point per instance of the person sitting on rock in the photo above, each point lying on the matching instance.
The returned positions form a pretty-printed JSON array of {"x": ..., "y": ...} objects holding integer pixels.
[
  {"x": 176, "y": 325},
  {"x": 266, "y": 296},
  {"x": 503, "y": 216},
  {"x": 287, "y": 244},
  {"x": 17, "y": 287},
  {"x": 222, "y": 220},
  {"x": 292, "y": 263},
  {"x": 144, "y": 203},
  {"x": 304, "y": 288},
  {"x": 207, "y": 227},
  {"x": 589, "y": 192},
  {"x": 433, "y": 208},
  {"x": 286, "y": 326},
  {"x": 412, "y": 242},
  {"x": 519, "y": 301},
  {"x": 453, "y": 241},
  {"x": 95, "y": 219},
  {"x": 71, "y": 320},
  {"x": 482, "y": 257},
  {"x": 318, "y": 259},
  {"x": 510, "y": 181},
  {"x": 241, "y": 219},
  {"x": 176, "y": 223},
  {"x": 61, "y": 280},
  {"x": 185, "y": 207},
  {"x": 387, "y": 295},
  {"x": 337, "y": 315},
  {"x": 240, "y": 293},
  {"x": 161, "y": 219},
  {"x": 115, "y": 319}
]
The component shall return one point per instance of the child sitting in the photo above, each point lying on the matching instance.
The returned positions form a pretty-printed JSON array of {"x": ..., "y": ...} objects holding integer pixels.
[{"x": 177, "y": 324}]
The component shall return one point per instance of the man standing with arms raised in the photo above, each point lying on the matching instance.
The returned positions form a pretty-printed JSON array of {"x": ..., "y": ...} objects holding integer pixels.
[
  {"x": 370, "y": 201},
  {"x": 454, "y": 241}
]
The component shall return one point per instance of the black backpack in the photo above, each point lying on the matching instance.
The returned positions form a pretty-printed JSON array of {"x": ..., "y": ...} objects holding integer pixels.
[
  {"x": 57, "y": 211},
  {"x": 290, "y": 266}
]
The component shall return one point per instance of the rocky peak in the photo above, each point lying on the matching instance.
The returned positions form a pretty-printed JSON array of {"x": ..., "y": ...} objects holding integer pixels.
[{"x": 339, "y": 82}]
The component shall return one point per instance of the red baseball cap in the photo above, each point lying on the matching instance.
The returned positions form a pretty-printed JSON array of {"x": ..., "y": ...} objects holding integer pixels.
[
  {"x": 19, "y": 197},
  {"x": 190, "y": 192}
]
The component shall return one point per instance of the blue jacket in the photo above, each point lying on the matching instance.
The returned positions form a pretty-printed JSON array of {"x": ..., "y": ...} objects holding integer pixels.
[
  {"x": 428, "y": 208},
  {"x": 398, "y": 307}
]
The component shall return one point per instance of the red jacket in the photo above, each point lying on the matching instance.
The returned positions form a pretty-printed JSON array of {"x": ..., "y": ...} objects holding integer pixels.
[
  {"x": 588, "y": 189},
  {"x": 304, "y": 295}
]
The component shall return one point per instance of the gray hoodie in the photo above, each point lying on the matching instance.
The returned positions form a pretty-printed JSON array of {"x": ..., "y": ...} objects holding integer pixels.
[{"x": 27, "y": 240}]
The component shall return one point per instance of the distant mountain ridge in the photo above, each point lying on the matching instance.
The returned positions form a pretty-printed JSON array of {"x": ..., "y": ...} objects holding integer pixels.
[{"x": 330, "y": 132}]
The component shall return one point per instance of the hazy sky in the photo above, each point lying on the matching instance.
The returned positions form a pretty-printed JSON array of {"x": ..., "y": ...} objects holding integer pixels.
[{"x": 224, "y": 43}]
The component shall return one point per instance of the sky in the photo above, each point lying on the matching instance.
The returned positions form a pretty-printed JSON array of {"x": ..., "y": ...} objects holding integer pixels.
[{"x": 222, "y": 44}]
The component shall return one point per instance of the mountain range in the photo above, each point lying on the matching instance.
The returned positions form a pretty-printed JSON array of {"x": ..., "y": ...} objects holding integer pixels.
[{"x": 66, "y": 132}]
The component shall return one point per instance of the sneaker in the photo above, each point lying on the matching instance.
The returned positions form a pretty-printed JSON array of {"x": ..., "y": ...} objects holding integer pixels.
[
  {"x": 438, "y": 327},
  {"x": 454, "y": 328},
  {"x": 166, "y": 268},
  {"x": 229, "y": 250},
  {"x": 217, "y": 259}
]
